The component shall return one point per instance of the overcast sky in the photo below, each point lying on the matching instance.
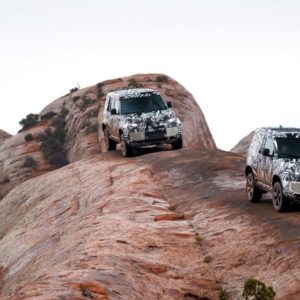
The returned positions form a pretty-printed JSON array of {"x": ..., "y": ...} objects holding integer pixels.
[{"x": 240, "y": 59}]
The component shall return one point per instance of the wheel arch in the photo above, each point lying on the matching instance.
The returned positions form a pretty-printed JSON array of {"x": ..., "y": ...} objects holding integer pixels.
[
  {"x": 248, "y": 170},
  {"x": 275, "y": 179}
]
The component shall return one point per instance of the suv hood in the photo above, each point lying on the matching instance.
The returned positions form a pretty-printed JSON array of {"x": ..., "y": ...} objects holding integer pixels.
[
  {"x": 291, "y": 168},
  {"x": 155, "y": 118}
]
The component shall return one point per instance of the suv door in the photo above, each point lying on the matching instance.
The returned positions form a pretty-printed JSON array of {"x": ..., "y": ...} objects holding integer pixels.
[
  {"x": 114, "y": 119},
  {"x": 109, "y": 116},
  {"x": 266, "y": 163}
]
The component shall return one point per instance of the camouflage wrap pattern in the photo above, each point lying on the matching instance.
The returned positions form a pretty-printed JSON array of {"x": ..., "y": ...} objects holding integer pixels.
[{"x": 266, "y": 168}]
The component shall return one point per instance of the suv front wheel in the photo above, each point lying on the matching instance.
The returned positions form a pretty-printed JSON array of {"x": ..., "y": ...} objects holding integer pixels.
[
  {"x": 280, "y": 202},
  {"x": 108, "y": 143},
  {"x": 126, "y": 150},
  {"x": 253, "y": 192},
  {"x": 177, "y": 145}
]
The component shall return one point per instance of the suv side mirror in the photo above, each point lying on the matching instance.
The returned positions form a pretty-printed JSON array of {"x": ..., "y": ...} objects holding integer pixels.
[
  {"x": 169, "y": 104},
  {"x": 266, "y": 152},
  {"x": 113, "y": 111}
]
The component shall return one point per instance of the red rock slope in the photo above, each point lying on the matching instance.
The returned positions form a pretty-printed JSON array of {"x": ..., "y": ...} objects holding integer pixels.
[
  {"x": 164, "y": 225},
  {"x": 242, "y": 146},
  {"x": 102, "y": 229},
  {"x": 3, "y": 136}
]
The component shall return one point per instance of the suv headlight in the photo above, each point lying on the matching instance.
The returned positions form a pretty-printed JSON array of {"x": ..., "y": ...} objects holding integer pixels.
[
  {"x": 172, "y": 120},
  {"x": 294, "y": 176},
  {"x": 133, "y": 125}
]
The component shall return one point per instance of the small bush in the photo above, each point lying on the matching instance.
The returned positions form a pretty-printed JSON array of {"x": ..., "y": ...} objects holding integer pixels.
[
  {"x": 64, "y": 111},
  {"x": 29, "y": 162},
  {"x": 74, "y": 90},
  {"x": 75, "y": 98},
  {"x": 132, "y": 83},
  {"x": 48, "y": 115},
  {"x": 5, "y": 180},
  {"x": 173, "y": 207},
  {"x": 86, "y": 101},
  {"x": 162, "y": 78},
  {"x": 223, "y": 295},
  {"x": 58, "y": 159},
  {"x": 99, "y": 90},
  {"x": 42, "y": 136},
  {"x": 58, "y": 121},
  {"x": 208, "y": 259},
  {"x": 28, "y": 137},
  {"x": 198, "y": 238},
  {"x": 29, "y": 121},
  {"x": 53, "y": 142},
  {"x": 85, "y": 291},
  {"x": 257, "y": 290}
]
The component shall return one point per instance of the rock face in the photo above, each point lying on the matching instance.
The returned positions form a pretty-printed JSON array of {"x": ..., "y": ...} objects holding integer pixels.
[
  {"x": 13, "y": 153},
  {"x": 3, "y": 136},
  {"x": 90, "y": 230},
  {"x": 164, "y": 225},
  {"x": 242, "y": 146},
  {"x": 84, "y": 109},
  {"x": 86, "y": 105}
]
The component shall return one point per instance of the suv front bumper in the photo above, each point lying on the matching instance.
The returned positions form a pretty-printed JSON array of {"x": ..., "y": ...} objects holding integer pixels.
[
  {"x": 293, "y": 190},
  {"x": 142, "y": 138}
]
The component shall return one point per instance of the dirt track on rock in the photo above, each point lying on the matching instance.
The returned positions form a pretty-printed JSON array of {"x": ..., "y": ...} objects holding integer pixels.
[{"x": 240, "y": 239}]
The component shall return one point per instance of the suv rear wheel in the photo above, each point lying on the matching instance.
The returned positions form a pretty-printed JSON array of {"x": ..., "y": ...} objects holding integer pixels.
[
  {"x": 126, "y": 150},
  {"x": 253, "y": 192},
  {"x": 280, "y": 202},
  {"x": 109, "y": 144}
]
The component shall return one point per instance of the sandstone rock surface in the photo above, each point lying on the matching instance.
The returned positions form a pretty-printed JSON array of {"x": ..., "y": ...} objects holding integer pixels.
[
  {"x": 4, "y": 135},
  {"x": 90, "y": 229},
  {"x": 162, "y": 225},
  {"x": 242, "y": 146}
]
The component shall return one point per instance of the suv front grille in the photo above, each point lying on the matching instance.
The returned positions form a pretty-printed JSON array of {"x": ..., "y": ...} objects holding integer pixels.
[
  {"x": 152, "y": 136},
  {"x": 137, "y": 136}
]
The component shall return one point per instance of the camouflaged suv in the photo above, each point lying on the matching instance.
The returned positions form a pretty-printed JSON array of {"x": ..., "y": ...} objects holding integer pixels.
[
  {"x": 273, "y": 165},
  {"x": 138, "y": 118}
]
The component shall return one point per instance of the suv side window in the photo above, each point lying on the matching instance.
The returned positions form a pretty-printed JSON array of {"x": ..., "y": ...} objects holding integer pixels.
[
  {"x": 270, "y": 145},
  {"x": 118, "y": 106},
  {"x": 109, "y": 104}
]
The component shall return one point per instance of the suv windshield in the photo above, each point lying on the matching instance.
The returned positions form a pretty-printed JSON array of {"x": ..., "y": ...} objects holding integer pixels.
[
  {"x": 288, "y": 147},
  {"x": 145, "y": 102}
]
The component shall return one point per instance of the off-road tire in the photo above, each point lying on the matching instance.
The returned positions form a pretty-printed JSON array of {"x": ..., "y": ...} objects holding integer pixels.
[
  {"x": 108, "y": 143},
  {"x": 177, "y": 145},
  {"x": 126, "y": 150},
  {"x": 253, "y": 192},
  {"x": 280, "y": 202}
]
